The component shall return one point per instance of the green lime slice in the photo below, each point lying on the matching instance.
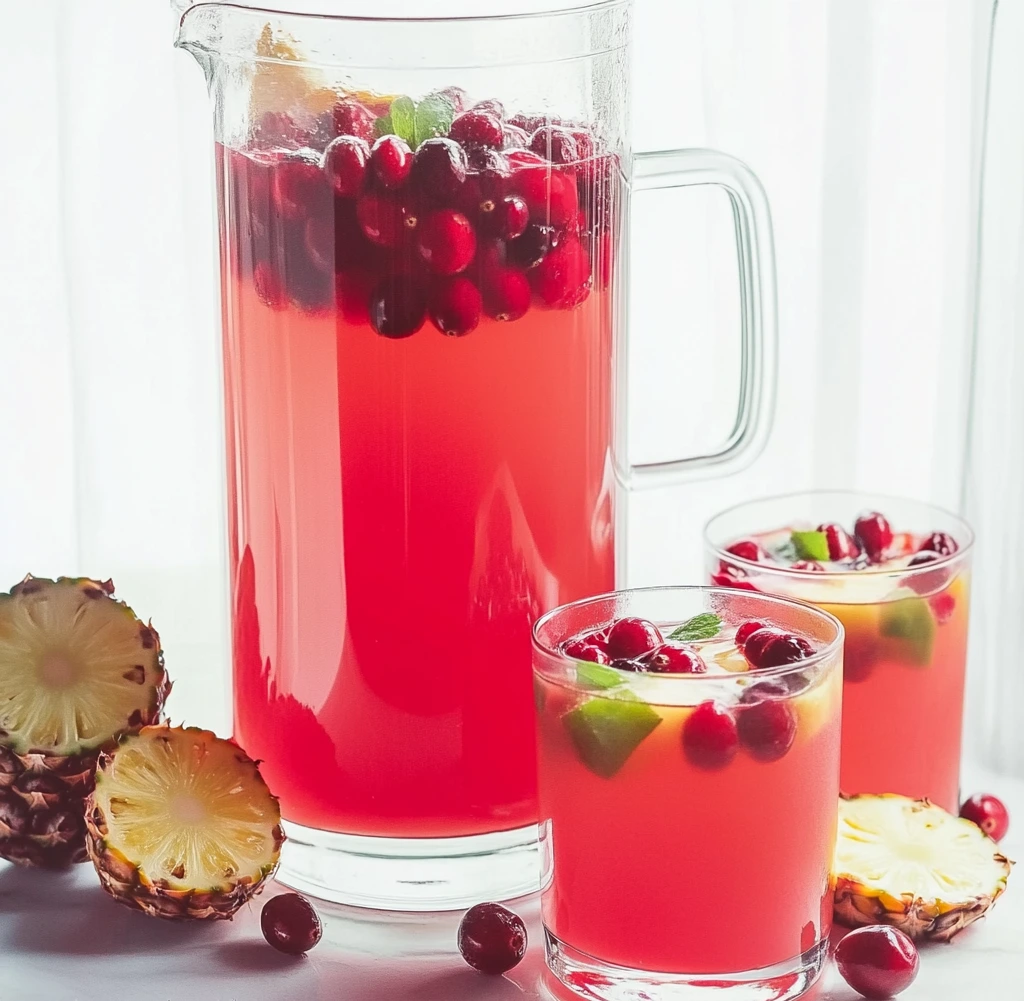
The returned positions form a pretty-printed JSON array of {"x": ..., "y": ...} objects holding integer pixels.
[
  {"x": 911, "y": 620},
  {"x": 811, "y": 545},
  {"x": 597, "y": 675},
  {"x": 605, "y": 732}
]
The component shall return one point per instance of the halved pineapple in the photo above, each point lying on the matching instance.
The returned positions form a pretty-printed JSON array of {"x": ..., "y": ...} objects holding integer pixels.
[
  {"x": 77, "y": 669},
  {"x": 910, "y": 864},
  {"x": 181, "y": 824}
]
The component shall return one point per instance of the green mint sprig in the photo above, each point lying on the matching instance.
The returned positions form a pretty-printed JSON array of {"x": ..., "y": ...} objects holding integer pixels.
[
  {"x": 704, "y": 626},
  {"x": 415, "y": 122}
]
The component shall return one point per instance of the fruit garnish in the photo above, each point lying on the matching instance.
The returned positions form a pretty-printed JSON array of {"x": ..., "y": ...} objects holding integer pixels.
[
  {"x": 492, "y": 939},
  {"x": 873, "y": 533},
  {"x": 477, "y": 128},
  {"x": 710, "y": 738},
  {"x": 747, "y": 629},
  {"x": 747, "y": 549},
  {"x": 417, "y": 121},
  {"x": 988, "y": 813},
  {"x": 594, "y": 675},
  {"x": 767, "y": 727},
  {"x": 669, "y": 659},
  {"x": 773, "y": 648},
  {"x": 181, "y": 824},
  {"x": 77, "y": 670},
  {"x": 632, "y": 637},
  {"x": 391, "y": 161},
  {"x": 841, "y": 545},
  {"x": 290, "y": 924},
  {"x": 910, "y": 864},
  {"x": 911, "y": 620},
  {"x": 605, "y": 732},
  {"x": 810, "y": 545},
  {"x": 878, "y": 961},
  {"x": 704, "y": 626},
  {"x": 940, "y": 542}
]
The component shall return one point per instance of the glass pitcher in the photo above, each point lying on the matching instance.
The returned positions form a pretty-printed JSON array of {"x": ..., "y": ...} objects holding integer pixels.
[{"x": 423, "y": 269}]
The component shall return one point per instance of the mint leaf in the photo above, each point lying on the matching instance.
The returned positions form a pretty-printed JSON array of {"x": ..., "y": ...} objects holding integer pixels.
[
  {"x": 811, "y": 545},
  {"x": 701, "y": 627},
  {"x": 433, "y": 117},
  {"x": 605, "y": 732},
  {"x": 383, "y": 127},
  {"x": 785, "y": 552},
  {"x": 596, "y": 675},
  {"x": 911, "y": 620},
  {"x": 403, "y": 118}
]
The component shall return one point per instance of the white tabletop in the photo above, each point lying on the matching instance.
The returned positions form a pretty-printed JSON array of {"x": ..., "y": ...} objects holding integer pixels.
[{"x": 62, "y": 939}]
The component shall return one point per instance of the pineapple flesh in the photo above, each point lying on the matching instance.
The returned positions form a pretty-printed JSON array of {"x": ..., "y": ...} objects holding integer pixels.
[
  {"x": 910, "y": 864},
  {"x": 181, "y": 824},
  {"x": 77, "y": 670}
]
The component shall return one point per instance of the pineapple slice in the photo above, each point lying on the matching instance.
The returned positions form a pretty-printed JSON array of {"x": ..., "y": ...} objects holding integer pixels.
[
  {"x": 77, "y": 669},
  {"x": 910, "y": 864},
  {"x": 181, "y": 824}
]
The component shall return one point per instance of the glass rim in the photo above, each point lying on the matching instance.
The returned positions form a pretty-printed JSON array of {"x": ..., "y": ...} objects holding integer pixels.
[
  {"x": 965, "y": 541},
  {"x": 657, "y": 680}
]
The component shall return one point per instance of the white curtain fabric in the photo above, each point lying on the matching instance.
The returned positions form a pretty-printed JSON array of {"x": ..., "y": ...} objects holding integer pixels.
[{"x": 859, "y": 117}]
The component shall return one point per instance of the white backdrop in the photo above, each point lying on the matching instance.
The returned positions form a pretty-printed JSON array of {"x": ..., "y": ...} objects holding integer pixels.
[{"x": 857, "y": 115}]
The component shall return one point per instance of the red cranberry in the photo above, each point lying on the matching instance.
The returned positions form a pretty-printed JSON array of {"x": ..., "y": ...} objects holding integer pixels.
[
  {"x": 710, "y": 738},
  {"x": 746, "y": 630},
  {"x": 513, "y": 137},
  {"x": 528, "y": 123},
  {"x": 756, "y": 642},
  {"x": 729, "y": 576},
  {"x": 454, "y": 306},
  {"x": 446, "y": 241},
  {"x": 387, "y": 220},
  {"x": 877, "y": 961},
  {"x": 298, "y": 187},
  {"x": 919, "y": 559},
  {"x": 477, "y": 128},
  {"x": 555, "y": 144},
  {"x": 269, "y": 286},
  {"x": 874, "y": 534},
  {"x": 528, "y": 250},
  {"x": 632, "y": 637},
  {"x": 354, "y": 289},
  {"x": 772, "y": 688},
  {"x": 391, "y": 160},
  {"x": 988, "y": 813},
  {"x": 526, "y": 158},
  {"x": 808, "y": 566},
  {"x": 352, "y": 119},
  {"x": 562, "y": 279},
  {"x": 492, "y": 939},
  {"x": 344, "y": 162},
  {"x": 586, "y": 648},
  {"x": 669, "y": 659},
  {"x": 397, "y": 307},
  {"x": 940, "y": 542},
  {"x": 747, "y": 549},
  {"x": 549, "y": 194},
  {"x": 290, "y": 924},
  {"x": 439, "y": 169},
  {"x": 491, "y": 106},
  {"x": 457, "y": 96},
  {"x": 506, "y": 219},
  {"x": 506, "y": 294},
  {"x": 942, "y": 606},
  {"x": 841, "y": 545},
  {"x": 585, "y": 144},
  {"x": 767, "y": 728},
  {"x": 780, "y": 650}
]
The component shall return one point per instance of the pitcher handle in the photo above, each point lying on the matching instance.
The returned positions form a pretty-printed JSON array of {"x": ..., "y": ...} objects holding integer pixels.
[{"x": 758, "y": 327}]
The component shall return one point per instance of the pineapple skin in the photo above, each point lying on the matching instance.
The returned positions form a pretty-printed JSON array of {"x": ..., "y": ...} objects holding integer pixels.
[{"x": 43, "y": 796}]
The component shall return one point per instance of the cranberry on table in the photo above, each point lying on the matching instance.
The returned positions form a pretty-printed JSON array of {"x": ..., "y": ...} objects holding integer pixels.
[
  {"x": 669, "y": 659},
  {"x": 290, "y": 924},
  {"x": 988, "y": 813},
  {"x": 710, "y": 737},
  {"x": 632, "y": 637},
  {"x": 873, "y": 533},
  {"x": 747, "y": 549},
  {"x": 940, "y": 542},
  {"x": 492, "y": 939},
  {"x": 841, "y": 545},
  {"x": 345, "y": 163},
  {"x": 767, "y": 728},
  {"x": 877, "y": 961},
  {"x": 391, "y": 160}
]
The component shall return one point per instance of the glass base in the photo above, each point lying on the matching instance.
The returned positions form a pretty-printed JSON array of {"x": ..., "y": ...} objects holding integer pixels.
[
  {"x": 410, "y": 874},
  {"x": 596, "y": 980}
]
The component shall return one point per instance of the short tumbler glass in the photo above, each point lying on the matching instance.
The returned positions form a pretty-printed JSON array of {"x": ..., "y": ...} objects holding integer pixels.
[{"x": 681, "y": 859}]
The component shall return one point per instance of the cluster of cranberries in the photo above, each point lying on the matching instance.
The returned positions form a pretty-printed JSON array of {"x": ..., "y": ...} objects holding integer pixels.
[
  {"x": 499, "y": 214},
  {"x": 763, "y": 722}
]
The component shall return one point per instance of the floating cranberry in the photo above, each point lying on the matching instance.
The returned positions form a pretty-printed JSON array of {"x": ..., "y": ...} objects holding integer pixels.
[
  {"x": 808, "y": 566},
  {"x": 755, "y": 643},
  {"x": 528, "y": 123},
  {"x": 710, "y": 738},
  {"x": 391, "y": 160},
  {"x": 562, "y": 279},
  {"x": 506, "y": 218},
  {"x": 506, "y": 294},
  {"x": 386, "y": 219},
  {"x": 490, "y": 106},
  {"x": 439, "y": 169},
  {"x": 513, "y": 137},
  {"x": 454, "y": 306},
  {"x": 353, "y": 119},
  {"x": 344, "y": 162},
  {"x": 298, "y": 187},
  {"x": 841, "y": 545},
  {"x": 988, "y": 813},
  {"x": 586, "y": 648},
  {"x": 492, "y": 939},
  {"x": 747, "y": 629},
  {"x": 919, "y": 559},
  {"x": 874, "y": 534},
  {"x": 528, "y": 250},
  {"x": 269, "y": 286},
  {"x": 781, "y": 650},
  {"x": 526, "y": 158},
  {"x": 555, "y": 144},
  {"x": 772, "y": 688},
  {"x": 729, "y": 576},
  {"x": 747, "y": 549},
  {"x": 942, "y": 606},
  {"x": 477, "y": 128},
  {"x": 669, "y": 659},
  {"x": 353, "y": 289},
  {"x": 940, "y": 542},
  {"x": 877, "y": 961},
  {"x": 446, "y": 241},
  {"x": 549, "y": 194},
  {"x": 767, "y": 728},
  {"x": 633, "y": 637},
  {"x": 290, "y": 924},
  {"x": 397, "y": 307}
]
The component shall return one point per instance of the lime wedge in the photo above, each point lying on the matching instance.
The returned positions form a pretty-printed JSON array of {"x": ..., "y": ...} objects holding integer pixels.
[
  {"x": 911, "y": 620},
  {"x": 605, "y": 732}
]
